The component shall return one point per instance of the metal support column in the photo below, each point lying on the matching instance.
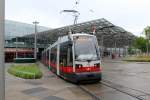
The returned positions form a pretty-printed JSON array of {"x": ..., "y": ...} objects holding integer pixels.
[
  {"x": 110, "y": 53},
  {"x": 115, "y": 47},
  {"x": 2, "y": 68},
  {"x": 46, "y": 57},
  {"x": 127, "y": 50},
  {"x": 102, "y": 44},
  {"x": 49, "y": 56},
  {"x": 119, "y": 52},
  {"x": 35, "y": 39},
  {"x": 16, "y": 47}
]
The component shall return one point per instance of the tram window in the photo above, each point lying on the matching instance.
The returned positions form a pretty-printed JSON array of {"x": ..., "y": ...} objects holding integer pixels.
[
  {"x": 53, "y": 56},
  {"x": 65, "y": 57}
]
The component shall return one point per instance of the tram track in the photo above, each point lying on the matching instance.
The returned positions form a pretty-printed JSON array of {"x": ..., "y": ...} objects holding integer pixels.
[
  {"x": 126, "y": 90},
  {"x": 134, "y": 93},
  {"x": 94, "y": 96}
]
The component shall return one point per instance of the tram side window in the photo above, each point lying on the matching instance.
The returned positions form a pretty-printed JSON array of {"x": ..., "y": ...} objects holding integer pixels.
[
  {"x": 65, "y": 57},
  {"x": 53, "y": 54}
]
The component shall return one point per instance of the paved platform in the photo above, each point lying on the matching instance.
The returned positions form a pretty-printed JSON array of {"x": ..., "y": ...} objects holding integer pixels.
[
  {"x": 50, "y": 87},
  {"x": 133, "y": 75}
]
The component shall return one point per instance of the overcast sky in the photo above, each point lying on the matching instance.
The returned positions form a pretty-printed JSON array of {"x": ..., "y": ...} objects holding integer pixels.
[{"x": 132, "y": 15}]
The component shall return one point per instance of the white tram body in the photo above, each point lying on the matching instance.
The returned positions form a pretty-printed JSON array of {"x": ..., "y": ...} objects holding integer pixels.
[{"x": 75, "y": 57}]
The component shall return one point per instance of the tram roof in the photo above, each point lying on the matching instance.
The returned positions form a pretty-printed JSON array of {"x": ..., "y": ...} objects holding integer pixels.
[{"x": 106, "y": 32}]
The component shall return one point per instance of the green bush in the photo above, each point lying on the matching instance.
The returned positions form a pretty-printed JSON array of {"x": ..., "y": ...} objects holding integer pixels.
[
  {"x": 138, "y": 59},
  {"x": 30, "y": 71}
]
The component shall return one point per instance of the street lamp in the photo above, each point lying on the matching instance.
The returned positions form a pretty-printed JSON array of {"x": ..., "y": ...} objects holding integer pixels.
[
  {"x": 2, "y": 68},
  {"x": 35, "y": 39}
]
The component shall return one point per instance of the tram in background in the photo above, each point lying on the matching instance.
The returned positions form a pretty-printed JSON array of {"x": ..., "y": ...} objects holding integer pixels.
[{"x": 74, "y": 57}]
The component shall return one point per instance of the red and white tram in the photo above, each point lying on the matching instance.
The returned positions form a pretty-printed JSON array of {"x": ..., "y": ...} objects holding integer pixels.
[{"x": 75, "y": 57}]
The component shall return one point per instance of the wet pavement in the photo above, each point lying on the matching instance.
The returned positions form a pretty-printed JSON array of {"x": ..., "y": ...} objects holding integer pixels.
[
  {"x": 132, "y": 75},
  {"x": 121, "y": 81},
  {"x": 103, "y": 92},
  {"x": 50, "y": 87}
]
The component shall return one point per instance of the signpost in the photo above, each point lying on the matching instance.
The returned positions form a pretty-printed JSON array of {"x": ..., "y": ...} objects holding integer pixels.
[{"x": 2, "y": 70}]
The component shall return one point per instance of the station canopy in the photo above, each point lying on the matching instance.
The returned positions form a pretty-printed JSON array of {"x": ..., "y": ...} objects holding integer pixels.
[{"x": 108, "y": 35}]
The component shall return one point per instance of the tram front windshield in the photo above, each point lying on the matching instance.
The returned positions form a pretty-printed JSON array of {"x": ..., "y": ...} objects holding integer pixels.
[{"x": 86, "y": 48}]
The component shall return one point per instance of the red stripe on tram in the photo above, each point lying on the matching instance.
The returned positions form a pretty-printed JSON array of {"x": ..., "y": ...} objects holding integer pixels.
[
  {"x": 69, "y": 69},
  {"x": 66, "y": 69},
  {"x": 88, "y": 69}
]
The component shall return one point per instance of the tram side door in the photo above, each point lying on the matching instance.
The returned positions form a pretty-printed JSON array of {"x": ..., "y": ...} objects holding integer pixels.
[
  {"x": 53, "y": 59},
  {"x": 65, "y": 58}
]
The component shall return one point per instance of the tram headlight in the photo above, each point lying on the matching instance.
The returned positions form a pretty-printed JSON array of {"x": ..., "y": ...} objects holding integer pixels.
[
  {"x": 79, "y": 66},
  {"x": 97, "y": 65}
]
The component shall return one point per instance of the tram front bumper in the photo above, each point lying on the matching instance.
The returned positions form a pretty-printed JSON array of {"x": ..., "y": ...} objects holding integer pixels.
[{"x": 88, "y": 76}]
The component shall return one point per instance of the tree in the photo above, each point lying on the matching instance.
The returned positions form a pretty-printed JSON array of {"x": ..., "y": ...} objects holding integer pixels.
[
  {"x": 140, "y": 43},
  {"x": 147, "y": 32},
  {"x": 147, "y": 35}
]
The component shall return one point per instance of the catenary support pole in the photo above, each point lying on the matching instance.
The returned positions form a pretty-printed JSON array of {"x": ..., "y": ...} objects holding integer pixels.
[
  {"x": 2, "y": 68},
  {"x": 35, "y": 40},
  {"x": 16, "y": 47}
]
